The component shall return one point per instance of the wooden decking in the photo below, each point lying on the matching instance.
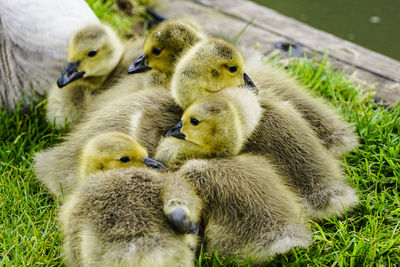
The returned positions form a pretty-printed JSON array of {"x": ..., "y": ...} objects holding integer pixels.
[{"x": 269, "y": 28}]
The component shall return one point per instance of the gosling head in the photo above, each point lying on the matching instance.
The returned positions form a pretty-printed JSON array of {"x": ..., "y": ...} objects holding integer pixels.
[
  {"x": 213, "y": 125},
  {"x": 114, "y": 150},
  {"x": 209, "y": 67},
  {"x": 93, "y": 52},
  {"x": 164, "y": 45}
]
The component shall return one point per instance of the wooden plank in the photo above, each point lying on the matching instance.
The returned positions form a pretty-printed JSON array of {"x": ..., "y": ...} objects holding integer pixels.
[
  {"x": 307, "y": 35},
  {"x": 228, "y": 17}
]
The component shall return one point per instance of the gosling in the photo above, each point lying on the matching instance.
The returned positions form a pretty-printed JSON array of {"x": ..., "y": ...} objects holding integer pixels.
[
  {"x": 97, "y": 59},
  {"x": 282, "y": 135},
  {"x": 336, "y": 134},
  {"x": 163, "y": 45},
  {"x": 124, "y": 214},
  {"x": 249, "y": 212},
  {"x": 145, "y": 115}
]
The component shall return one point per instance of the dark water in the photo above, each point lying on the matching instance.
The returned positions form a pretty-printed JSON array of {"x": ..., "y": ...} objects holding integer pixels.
[{"x": 374, "y": 24}]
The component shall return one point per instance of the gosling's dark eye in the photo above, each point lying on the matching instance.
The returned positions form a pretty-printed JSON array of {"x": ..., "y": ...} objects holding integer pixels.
[
  {"x": 233, "y": 69},
  {"x": 156, "y": 51},
  {"x": 125, "y": 159},
  {"x": 194, "y": 121},
  {"x": 92, "y": 53}
]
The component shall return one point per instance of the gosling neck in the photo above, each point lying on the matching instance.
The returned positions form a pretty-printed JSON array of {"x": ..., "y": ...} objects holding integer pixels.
[
  {"x": 95, "y": 82},
  {"x": 159, "y": 78},
  {"x": 247, "y": 107}
]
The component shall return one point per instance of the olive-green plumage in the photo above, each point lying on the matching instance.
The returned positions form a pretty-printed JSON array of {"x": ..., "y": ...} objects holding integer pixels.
[
  {"x": 172, "y": 37},
  {"x": 128, "y": 216},
  {"x": 116, "y": 218},
  {"x": 145, "y": 115},
  {"x": 222, "y": 125},
  {"x": 165, "y": 44},
  {"x": 209, "y": 67},
  {"x": 336, "y": 134},
  {"x": 99, "y": 56},
  {"x": 283, "y": 136},
  {"x": 105, "y": 151},
  {"x": 249, "y": 212}
]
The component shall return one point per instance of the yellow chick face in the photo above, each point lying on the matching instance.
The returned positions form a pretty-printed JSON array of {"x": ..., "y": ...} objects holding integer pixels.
[
  {"x": 209, "y": 67},
  {"x": 114, "y": 150},
  {"x": 213, "y": 124},
  {"x": 164, "y": 45},
  {"x": 93, "y": 52}
]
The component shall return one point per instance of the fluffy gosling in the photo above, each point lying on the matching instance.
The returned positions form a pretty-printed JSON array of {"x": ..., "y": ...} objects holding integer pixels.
[
  {"x": 97, "y": 59},
  {"x": 145, "y": 116},
  {"x": 337, "y": 134},
  {"x": 215, "y": 126},
  {"x": 164, "y": 45},
  {"x": 113, "y": 150},
  {"x": 249, "y": 212},
  {"x": 282, "y": 135},
  {"x": 128, "y": 216}
]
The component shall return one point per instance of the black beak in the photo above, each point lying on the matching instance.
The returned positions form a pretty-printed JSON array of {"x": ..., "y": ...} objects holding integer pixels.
[
  {"x": 139, "y": 65},
  {"x": 154, "y": 164},
  {"x": 176, "y": 131},
  {"x": 70, "y": 74},
  {"x": 249, "y": 83}
]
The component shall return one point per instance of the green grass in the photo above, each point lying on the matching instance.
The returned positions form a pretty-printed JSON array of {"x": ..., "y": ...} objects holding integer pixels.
[
  {"x": 29, "y": 230},
  {"x": 368, "y": 235}
]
